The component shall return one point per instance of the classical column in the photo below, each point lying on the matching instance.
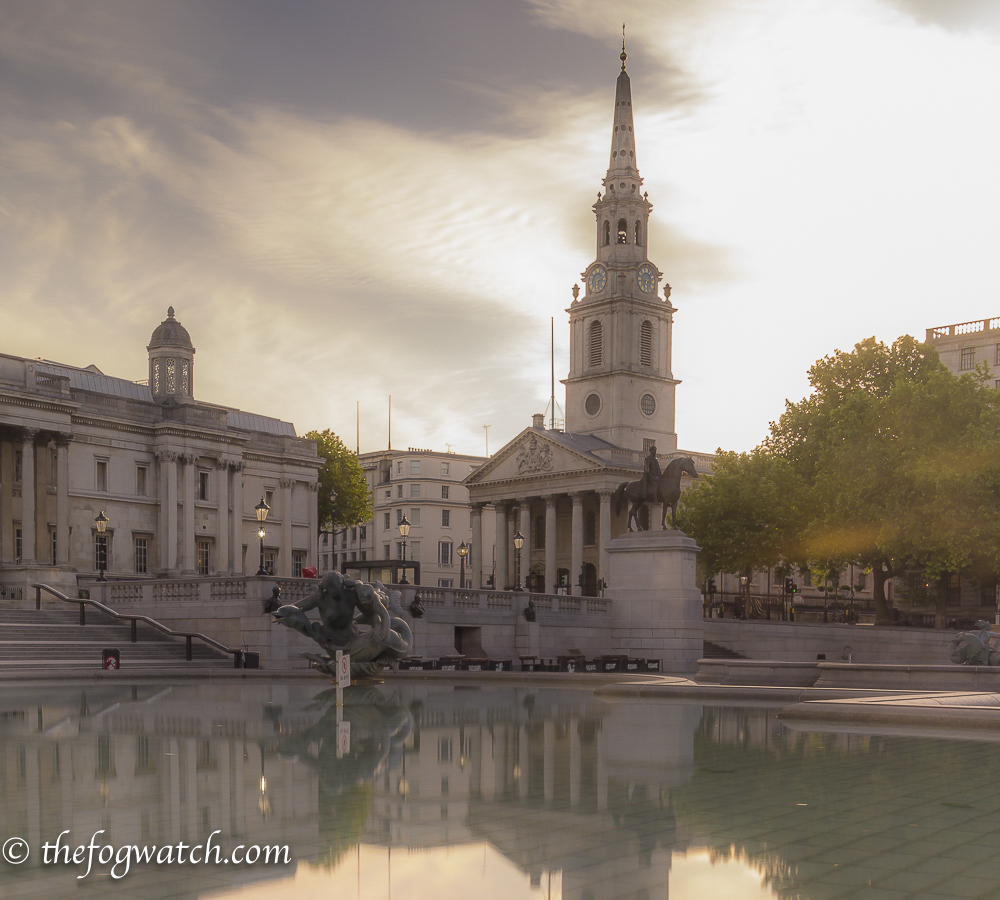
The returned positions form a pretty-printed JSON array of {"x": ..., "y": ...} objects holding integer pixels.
[
  {"x": 188, "y": 562},
  {"x": 476, "y": 573},
  {"x": 574, "y": 762},
  {"x": 312, "y": 554},
  {"x": 511, "y": 553},
  {"x": 500, "y": 570},
  {"x": 236, "y": 535},
  {"x": 222, "y": 518},
  {"x": 604, "y": 538},
  {"x": 576, "y": 558},
  {"x": 285, "y": 552},
  {"x": 550, "y": 544},
  {"x": 62, "y": 499},
  {"x": 525, "y": 529},
  {"x": 168, "y": 511},
  {"x": 29, "y": 527},
  {"x": 549, "y": 760},
  {"x": 523, "y": 761}
]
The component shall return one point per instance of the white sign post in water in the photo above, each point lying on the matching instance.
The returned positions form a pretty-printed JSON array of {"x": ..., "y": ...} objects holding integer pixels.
[{"x": 343, "y": 680}]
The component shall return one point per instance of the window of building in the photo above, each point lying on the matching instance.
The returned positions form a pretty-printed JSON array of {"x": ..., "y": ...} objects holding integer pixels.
[
  {"x": 270, "y": 561},
  {"x": 399, "y": 467},
  {"x": 607, "y": 233},
  {"x": 105, "y": 759},
  {"x": 141, "y": 475},
  {"x": 354, "y": 535},
  {"x": 415, "y": 515},
  {"x": 102, "y": 476},
  {"x": 386, "y": 523},
  {"x": 386, "y": 552},
  {"x": 647, "y": 443},
  {"x": 343, "y": 539},
  {"x": 18, "y": 544},
  {"x": 269, "y": 498},
  {"x": 413, "y": 547},
  {"x": 445, "y": 491},
  {"x": 364, "y": 555},
  {"x": 445, "y": 557},
  {"x": 141, "y": 554},
  {"x": 595, "y": 344},
  {"x": 204, "y": 557},
  {"x": 444, "y": 749},
  {"x": 399, "y": 516},
  {"x": 203, "y": 485},
  {"x": 622, "y": 231},
  {"x": 299, "y": 560},
  {"x": 388, "y": 494},
  {"x": 399, "y": 491},
  {"x": 354, "y": 556},
  {"x": 862, "y": 581},
  {"x": 446, "y": 582},
  {"x": 638, "y": 234},
  {"x": 414, "y": 466},
  {"x": 171, "y": 375},
  {"x": 538, "y": 533},
  {"x": 52, "y": 545},
  {"x": 101, "y": 556},
  {"x": 414, "y": 490},
  {"x": 142, "y": 755},
  {"x": 646, "y": 344},
  {"x": 589, "y": 528},
  {"x": 400, "y": 553},
  {"x": 363, "y": 533},
  {"x": 446, "y": 518},
  {"x": 445, "y": 468},
  {"x": 968, "y": 359}
]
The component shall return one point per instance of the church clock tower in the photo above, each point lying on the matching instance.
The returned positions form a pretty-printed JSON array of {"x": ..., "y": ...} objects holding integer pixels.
[{"x": 620, "y": 387}]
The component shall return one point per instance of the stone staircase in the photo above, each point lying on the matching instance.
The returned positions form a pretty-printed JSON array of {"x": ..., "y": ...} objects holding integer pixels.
[
  {"x": 54, "y": 639},
  {"x": 717, "y": 651}
]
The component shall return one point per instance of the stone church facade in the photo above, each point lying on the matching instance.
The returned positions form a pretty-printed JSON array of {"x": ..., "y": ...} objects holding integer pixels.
[
  {"x": 177, "y": 478},
  {"x": 556, "y": 487}
]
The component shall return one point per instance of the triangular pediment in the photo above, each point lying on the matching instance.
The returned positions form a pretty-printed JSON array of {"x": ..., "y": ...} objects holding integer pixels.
[{"x": 531, "y": 454}]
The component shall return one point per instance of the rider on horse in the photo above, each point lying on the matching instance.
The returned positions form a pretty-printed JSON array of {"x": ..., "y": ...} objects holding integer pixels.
[{"x": 650, "y": 474}]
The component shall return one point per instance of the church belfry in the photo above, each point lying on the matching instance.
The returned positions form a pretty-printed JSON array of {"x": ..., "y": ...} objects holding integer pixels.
[{"x": 620, "y": 385}]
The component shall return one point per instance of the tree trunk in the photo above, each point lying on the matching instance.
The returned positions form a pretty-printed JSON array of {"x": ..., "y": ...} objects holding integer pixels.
[{"x": 881, "y": 573}]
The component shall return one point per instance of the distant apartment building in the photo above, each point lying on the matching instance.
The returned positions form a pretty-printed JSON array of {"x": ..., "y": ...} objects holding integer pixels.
[
  {"x": 964, "y": 346},
  {"x": 426, "y": 487}
]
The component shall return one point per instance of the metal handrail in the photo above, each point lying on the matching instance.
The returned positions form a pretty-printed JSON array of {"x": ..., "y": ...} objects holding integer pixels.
[{"x": 187, "y": 635}]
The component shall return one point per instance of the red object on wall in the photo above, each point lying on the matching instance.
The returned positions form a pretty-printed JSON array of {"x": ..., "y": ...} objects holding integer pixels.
[{"x": 309, "y": 571}]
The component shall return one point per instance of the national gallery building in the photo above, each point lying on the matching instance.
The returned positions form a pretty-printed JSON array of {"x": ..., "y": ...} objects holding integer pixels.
[
  {"x": 556, "y": 486},
  {"x": 176, "y": 478}
]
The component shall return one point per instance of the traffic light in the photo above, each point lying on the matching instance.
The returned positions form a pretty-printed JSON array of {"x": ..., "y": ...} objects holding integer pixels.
[
  {"x": 790, "y": 587},
  {"x": 711, "y": 586}
]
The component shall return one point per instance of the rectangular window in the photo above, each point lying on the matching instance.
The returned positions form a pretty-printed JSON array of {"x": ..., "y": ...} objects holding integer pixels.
[
  {"x": 388, "y": 494},
  {"x": 354, "y": 556},
  {"x": 399, "y": 491},
  {"x": 445, "y": 490},
  {"x": 141, "y": 473},
  {"x": 269, "y": 498},
  {"x": 414, "y": 466},
  {"x": 968, "y": 359},
  {"x": 445, "y": 468},
  {"x": 204, "y": 557},
  {"x": 415, "y": 516},
  {"x": 52, "y": 544},
  {"x": 399, "y": 467},
  {"x": 386, "y": 551},
  {"x": 298, "y": 561},
  {"x": 413, "y": 549},
  {"x": 386, "y": 523},
  {"x": 446, "y": 582},
  {"x": 270, "y": 561},
  {"x": 399, "y": 549},
  {"x": 363, "y": 533},
  {"x": 203, "y": 485},
  {"x": 364, "y": 555},
  {"x": 446, "y": 518},
  {"x": 444, "y": 749},
  {"x": 399, "y": 516},
  {"x": 102, "y": 476},
  {"x": 414, "y": 491},
  {"x": 141, "y": 555},
  {"x": 343, "y": 540},
  {"x": 444, "y": 553},
  {"x": 354, "y": 535},
  {"x": 18, "y": 545},
  {"x": 646, "y": 444}
]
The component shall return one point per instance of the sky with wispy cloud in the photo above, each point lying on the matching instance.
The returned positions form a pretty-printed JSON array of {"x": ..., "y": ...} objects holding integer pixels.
[{"x": 348, "y": 200}]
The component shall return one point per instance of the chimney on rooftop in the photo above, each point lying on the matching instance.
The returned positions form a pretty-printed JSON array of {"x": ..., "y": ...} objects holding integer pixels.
[{"x": 538, "y": 421}]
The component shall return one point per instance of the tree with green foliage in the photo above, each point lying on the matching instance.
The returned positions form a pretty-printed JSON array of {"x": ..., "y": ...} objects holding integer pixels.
[
  {"x": 340, "y": 473},
  {"x": 893, "y": 465}
]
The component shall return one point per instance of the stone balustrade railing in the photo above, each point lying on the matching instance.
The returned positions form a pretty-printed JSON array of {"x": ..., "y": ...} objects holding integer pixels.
[
  {"x": 963, "y": 328},
  {"x": 500, "y": 601}
]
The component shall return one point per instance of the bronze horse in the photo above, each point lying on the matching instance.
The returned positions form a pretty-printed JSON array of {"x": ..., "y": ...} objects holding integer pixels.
[{"x": 667, "y": 492}]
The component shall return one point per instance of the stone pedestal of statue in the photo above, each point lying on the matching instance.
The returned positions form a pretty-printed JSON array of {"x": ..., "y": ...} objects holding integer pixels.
[{"x": 657, "y": 607}]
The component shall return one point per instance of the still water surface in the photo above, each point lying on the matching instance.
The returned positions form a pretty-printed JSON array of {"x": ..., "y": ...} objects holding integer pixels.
[{"x": 442, "y": 791}]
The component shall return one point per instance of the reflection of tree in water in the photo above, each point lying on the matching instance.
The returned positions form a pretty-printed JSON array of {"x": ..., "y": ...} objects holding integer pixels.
[
  {"x": 793, "y": 804},
  {"x": 379, "y": 728}
]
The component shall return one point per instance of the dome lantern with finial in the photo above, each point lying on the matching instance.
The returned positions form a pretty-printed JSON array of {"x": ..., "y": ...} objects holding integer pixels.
[{"x": 171, "y": 361}]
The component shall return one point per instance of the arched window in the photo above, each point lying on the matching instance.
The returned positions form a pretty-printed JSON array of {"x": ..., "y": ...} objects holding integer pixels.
[
  {"x": 638, "y": 234},
  {"x": 622, "y": 231},
  {"x": 607, "y": 233},
  {"x": 595, "y": 344},
  {"x": 646, "y": 343}
]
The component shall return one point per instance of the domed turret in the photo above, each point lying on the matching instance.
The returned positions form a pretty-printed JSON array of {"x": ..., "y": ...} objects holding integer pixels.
[{"x": 171, "y": 361}]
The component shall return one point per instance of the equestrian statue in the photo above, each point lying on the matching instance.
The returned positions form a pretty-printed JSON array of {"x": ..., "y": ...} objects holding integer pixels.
[
  {"x": 343, "y": 605},
  {"x": 654, "y": 487}
]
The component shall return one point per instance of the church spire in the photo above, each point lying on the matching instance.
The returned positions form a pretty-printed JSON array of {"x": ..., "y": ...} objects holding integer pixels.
[{"x": 622, "y": 162}]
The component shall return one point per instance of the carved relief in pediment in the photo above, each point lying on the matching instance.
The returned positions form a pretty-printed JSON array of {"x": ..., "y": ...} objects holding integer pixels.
[{"x": 534, "y": 456}]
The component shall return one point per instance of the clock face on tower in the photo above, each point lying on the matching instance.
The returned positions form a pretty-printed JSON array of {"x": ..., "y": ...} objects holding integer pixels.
[
  {"x": 647, "y": 278},
  {"x": 597, "y": 280}
]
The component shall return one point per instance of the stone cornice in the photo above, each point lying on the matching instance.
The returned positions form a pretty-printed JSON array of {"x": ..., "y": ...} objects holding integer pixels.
[{"x": 34, "y": 401}]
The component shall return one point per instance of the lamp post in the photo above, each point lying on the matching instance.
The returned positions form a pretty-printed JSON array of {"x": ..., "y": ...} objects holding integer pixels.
[
  {"x": 261, "y": 510},
  {"x": 462, "y": 551},
  {"x": 518, "y": 544},
  {"x": 404, "y": 530},
  {"x": 102, "y": 542}
]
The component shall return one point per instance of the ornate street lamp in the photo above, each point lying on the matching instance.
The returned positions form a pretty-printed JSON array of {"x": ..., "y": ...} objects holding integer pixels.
[
  {"x": 261, "y": 510},
  {"x": 518, "y": 544},
  {"x": 462, "y": 551},
  {"x": 102, "y": 543},
  {"x": 404, "y": 530}
]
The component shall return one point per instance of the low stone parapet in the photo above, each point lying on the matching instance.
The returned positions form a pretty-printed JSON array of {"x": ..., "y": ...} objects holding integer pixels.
[
  {"x": 909, "y": 677},
  {"x": 757, "y": 672}
]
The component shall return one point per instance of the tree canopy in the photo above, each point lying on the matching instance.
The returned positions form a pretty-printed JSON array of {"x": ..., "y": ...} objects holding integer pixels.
[
  {"x": 341, "y": 472},
  {"x": 891, "y": 463}
]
